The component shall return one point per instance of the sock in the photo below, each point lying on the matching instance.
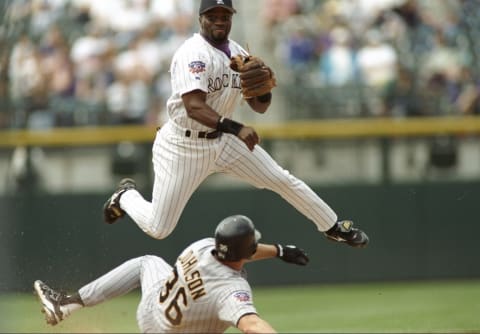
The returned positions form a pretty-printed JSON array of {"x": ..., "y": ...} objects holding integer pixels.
[
  {"x": 71, "y": 303},
  {"x": 69, "y": 308}
]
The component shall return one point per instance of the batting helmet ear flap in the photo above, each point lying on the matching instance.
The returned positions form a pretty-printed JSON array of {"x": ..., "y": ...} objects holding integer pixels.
[{"x": 236, "y": 238}]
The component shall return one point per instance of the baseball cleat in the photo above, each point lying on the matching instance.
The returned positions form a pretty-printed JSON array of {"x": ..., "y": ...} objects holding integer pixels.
[
  {"x": 51, "y": 301},
  {"x": 343, "y": 231},
  {"x": 111, "y": 209}
]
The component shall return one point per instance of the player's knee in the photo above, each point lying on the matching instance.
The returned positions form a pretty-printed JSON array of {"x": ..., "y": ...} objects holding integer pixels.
[
  {"x": 284, "y": 179},
  {"x": 159, "y": 227},
  {"x": 160, "y": 233}
]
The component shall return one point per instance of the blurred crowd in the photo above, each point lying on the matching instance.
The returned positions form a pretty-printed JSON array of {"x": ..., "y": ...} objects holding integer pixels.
[
  {"x": 378, "y": 57},
  {"x": 105, "y": 62},
  {"x": 88, "y": 62}
]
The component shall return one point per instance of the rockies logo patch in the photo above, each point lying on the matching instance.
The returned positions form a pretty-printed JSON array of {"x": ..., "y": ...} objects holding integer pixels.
[{"x": 197, "y": 66}]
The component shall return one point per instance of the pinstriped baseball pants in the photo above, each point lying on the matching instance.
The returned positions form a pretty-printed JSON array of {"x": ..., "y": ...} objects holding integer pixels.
[
  {"x": 181, "y": 164},
  {"x": 145, "y": 272}
]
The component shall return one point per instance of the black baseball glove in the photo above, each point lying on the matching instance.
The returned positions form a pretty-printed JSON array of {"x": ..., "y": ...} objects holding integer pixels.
[{"x": 292, "y": 254}]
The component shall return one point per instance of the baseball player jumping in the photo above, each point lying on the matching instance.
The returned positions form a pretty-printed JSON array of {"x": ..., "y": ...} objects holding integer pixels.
[
  {"x": 201, "y": 138},
  {"x": 206, "y": 291}
]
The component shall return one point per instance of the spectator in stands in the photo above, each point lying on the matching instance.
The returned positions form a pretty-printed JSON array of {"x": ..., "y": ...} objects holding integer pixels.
[
  {"x": 27, "y": 78},
  {"x": 443, "y": 35},
  {"x": 80, "y": 12},
  {"x": 419, "y": 27},
  {"x": 435, "y": 98},
  {"x": 88, "y": 49},
  {"x": 300, "y": 51},
  {"x": 465, "y": 92},
  {"x": 401, "y": 98},
  {"x": 278, "y": 11},
  {"x": 168, "y": 12},
  {"x": 44, "y": 14},
  {"x": 410, "y": 13},
  {"x": 338, "y": 64},
  {"x": 441, "y": 59},
  {"x": 359, "y": 14},
  {"x": 56, "y": 62},
  {"x": 377, "y": 60},
  {"x": 148, "y": 51},
  {"x": 128, "y": 98},
  {"x": 92, "y": 55},
  {"x": 131, "y": 17}
]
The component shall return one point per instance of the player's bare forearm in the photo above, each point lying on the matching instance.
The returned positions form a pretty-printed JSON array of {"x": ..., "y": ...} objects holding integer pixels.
[
  {"x": 264, "y": 251},
  {"x": 252, "y": 323},
  {"x": 288, "y": 253},
  {"x": 198, "y": 109}
]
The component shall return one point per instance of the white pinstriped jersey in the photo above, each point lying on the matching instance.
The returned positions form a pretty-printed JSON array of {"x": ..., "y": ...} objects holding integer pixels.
[
  {"x": 202, "y": 295},
  {"x": 199, "y": 65},
  {"x": 182, "y": 160}
]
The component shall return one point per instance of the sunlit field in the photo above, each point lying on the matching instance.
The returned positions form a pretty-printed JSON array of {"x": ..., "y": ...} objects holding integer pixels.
[{"x": 420, "y": 307}]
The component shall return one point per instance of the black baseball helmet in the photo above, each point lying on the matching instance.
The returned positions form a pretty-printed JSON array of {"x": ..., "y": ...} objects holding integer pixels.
[{"x": 236, "y": 238}]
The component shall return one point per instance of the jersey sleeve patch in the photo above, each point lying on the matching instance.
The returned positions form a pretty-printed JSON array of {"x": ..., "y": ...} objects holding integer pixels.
[
  {"x": 242, "y": 296},
  {"x": 236, "y": 304},
  {"x": 196, "y": 68}
]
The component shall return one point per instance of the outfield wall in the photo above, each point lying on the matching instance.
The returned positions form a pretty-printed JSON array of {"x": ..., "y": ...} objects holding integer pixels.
[{"x": 426, "y": 231}]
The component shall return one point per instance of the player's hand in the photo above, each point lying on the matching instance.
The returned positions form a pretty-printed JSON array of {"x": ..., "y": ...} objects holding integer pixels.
[
  {"x": 292, "y": 254},
  {"x": 249, "y": 136}
]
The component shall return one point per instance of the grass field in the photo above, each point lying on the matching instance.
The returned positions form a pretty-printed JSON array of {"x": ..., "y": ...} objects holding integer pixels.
[{"x": 420, "y": 307}]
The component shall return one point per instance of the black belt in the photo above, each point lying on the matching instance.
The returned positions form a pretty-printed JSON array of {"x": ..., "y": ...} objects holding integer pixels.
[{"x": 204, "y": 134}]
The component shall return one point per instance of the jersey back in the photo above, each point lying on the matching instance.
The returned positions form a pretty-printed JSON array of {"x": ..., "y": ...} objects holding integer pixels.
[{"x": 203, "y": 295}]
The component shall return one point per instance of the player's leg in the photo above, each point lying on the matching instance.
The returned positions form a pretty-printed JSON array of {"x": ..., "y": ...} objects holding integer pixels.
[
  {"x": 259, "y": 169},
  {"x": 173, "y": 186},
  {"x": 153, "y": 275},
  {"x": 111, "y": 209},
  {"x": 119, "y": 281},
  {"x": 179, "y": 169},
  {"x": 56, "y": 305},
  {"x": 154, "y": 271},
  {"x": 159, "y": 217},
  {"x": 116, "y": 282}
]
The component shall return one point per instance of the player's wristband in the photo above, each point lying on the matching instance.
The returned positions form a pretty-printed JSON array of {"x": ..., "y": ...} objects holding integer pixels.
[
  {"x": 229, "y": 126},
  {"x": 279, "y": 250},
  {"x": 265, "y": 98}
]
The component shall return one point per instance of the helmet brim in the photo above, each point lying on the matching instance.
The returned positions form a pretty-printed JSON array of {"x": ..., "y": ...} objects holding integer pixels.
[{"x": 230, "y": 9}]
